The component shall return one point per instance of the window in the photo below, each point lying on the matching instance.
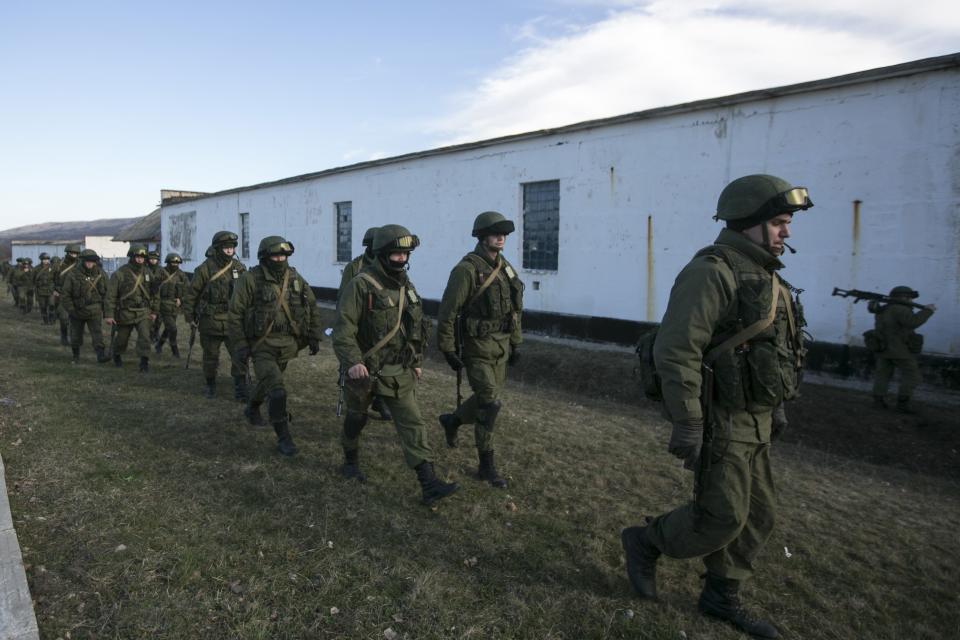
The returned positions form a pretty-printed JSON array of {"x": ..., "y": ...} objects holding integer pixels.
[
  {"x": 541, "y": 225},
  {"x": 344, "y": 231},
  {"x": 244, "y": 235}
]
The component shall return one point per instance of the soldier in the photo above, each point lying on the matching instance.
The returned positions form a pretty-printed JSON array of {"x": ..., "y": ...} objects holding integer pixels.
[
  {"x": 43, "y": 277},
  {"x": 153, "y": 266},
  {"x": 273, "y": 314},
  {"x": 83, "y": 291},
  {"x": 4, "y": 272},
  {"x": 11, "y": 281},
  {"x": 379, "y": 338},
  {"x": 485, "y": 295},
  {"x": 895, "y": 323},
  {"x": 69, "y": 264},
  {"x": 349, "y": 272},
  {"x": 130, "y": 304},
  {"x": 207, "y": 304},
  {"x": 23, "y": 281},
  {"x": 731, "y": 331},
  {"x": 172, "y": 287}
]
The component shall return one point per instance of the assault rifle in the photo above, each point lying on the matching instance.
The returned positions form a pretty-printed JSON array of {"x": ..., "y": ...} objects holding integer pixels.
[
  {"x": 858, "y": 295},
  {"x": 193, "y": 332},
  {"x": 340, "y": 383},
  {"x": 113, "y": 339}
]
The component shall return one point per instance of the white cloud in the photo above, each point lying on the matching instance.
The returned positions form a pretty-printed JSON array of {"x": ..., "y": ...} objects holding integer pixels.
[{"x": 661, "y": 53}]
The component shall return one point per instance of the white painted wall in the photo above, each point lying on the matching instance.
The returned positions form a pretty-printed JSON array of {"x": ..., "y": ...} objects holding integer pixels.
[
  {"x": 106, "y": 247},
  {"x": 893, "y": 144},
  {"x": 33, "y": 250}
]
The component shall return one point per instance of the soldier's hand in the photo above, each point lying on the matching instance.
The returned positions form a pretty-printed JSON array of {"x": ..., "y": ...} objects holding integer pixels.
[
  {"x": 153, "y": 317},
  {"x": 930, "y": 307},
  {"x": 514, "y": 357},
  {"x": 358, "y": 372},
  {"x": 453, "y": 360},
  {"x": 417, "y": 371},
  {"x": 176, "y": 301},
  {"x": 314, "y": 345},
  {"x": 243, "y": 353},
  {"x": 110, "y": 321},
  {"x": 779, "y": 423},
  {"x": 685, "y": 442}
]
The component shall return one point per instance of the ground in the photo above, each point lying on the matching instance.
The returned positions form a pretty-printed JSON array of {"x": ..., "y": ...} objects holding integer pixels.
[{"x": 145, "y": 510}]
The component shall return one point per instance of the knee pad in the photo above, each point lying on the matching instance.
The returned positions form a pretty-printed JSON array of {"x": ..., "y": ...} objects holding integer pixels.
[
  {"x": 353, "y": 424},
  {"x": 277, "y": 405},
  {"x": 488, "y": 413}
]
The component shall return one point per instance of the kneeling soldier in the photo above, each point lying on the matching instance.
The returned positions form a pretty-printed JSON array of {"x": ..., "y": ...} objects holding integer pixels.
[
  {"x": 379, "y": 337},
  {"x": 82, "y": 292},
  {"x": 131, "y": 305},
  {"x": 171, "y": 287},
  {"x": 273, "y": 314}
]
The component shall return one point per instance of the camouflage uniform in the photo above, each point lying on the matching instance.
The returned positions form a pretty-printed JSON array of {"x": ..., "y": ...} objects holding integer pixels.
[
  {"x": 82, "y": 295},
  {"x": 172, "y": 285},
  {"x": 895, "y": 323},
  {"x": 23, "y": 284},
  {"x": 43, "y": 281},
  {"x": 132, "y": 304},
  {"x": 69, "y": 264}
]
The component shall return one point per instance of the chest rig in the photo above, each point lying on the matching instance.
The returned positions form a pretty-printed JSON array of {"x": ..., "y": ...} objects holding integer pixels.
[{"x": 496, "y": 298}]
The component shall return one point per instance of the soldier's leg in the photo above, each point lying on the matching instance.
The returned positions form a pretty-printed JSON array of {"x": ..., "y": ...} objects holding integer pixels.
[
  {"x": 881, "y": 377},
  {"x": 42, "y": 303},
  {"x": 357, "y": 398},
  {"x": 211, "y": 358},
  {"x": 120, "y": 341},
  {"x": 909, "y": 380},
  {"x": 266, "y": 366},
  {"x": 96, "y": 337},
  {"x": 238, "y": 371},
  {"x": 76, "y": 340},
  {"x": 143, "y": 337},
  {"x": 270, "y": 374},
  {"x": 29, "y": 301},
  {"x": 64, "y": 325}
]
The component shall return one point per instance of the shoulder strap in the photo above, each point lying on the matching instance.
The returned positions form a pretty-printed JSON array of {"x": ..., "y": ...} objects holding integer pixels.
[
  {"x": 486, "y": 283},
  {"x": 383, "y": 341},
  {"x": 219, "y": 273},
  {"x": 93, "y": 283},
  {"x": 281, "y": 306},
  {"x": 750, "y": 331},
  {"x": 68, "y": 267},
  {"x": 133, "y": 289},
  {"x": 369, "y": 278}
]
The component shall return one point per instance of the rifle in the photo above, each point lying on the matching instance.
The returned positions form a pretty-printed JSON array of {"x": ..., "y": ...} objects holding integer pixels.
[
  {"x": 706, "y": 449},
  {"x": 113, "y": 339},
  {"x": 340, "y": 383},
  {"x": 193, "y": 332},
  {"x": 458, "y": 341},
  {"x": 858, "y": 295}
]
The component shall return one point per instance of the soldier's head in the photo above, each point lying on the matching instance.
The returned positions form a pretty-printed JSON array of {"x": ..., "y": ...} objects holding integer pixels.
[
  {"x": 153, "y": 257},
  {"x": 27, "y": 263},
  {"x": 173, "y": 260},
  {"x": 761, "y": 207},
  {"x": 72, "y": 251},
  {"x": 368, "y": 240},
  {"x": 903, "y": 292},
  {"x": 137, "y": 254},
  {"x": 44, "y": 258},
  {"x": 89, "y": 258},
  {"x": 491, "y": 228},
  {"x": 274, "y": 249},
  {"x": 225, "y": 242},
  {"x": 392, "y": 244}
]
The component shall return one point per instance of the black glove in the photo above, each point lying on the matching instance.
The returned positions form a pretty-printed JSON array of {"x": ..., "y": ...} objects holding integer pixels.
[
  {"x": 314, "y": 344},
  {"x": 779, "y": 423},
  {"x": 514, "y": 356},
  {"x": 453, "y": 360},
  {"x": 243, "y": 354},
  {"x": 685, "y": 442}
]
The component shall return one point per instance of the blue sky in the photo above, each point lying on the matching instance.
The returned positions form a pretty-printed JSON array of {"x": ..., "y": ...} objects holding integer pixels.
[{"x": 102, "y": 104}]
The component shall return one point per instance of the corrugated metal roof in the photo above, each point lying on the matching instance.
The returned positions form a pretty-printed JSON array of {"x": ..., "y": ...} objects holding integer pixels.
[
  {"x": 146, "y": 229},
  {"x": 938, "y": 63},
  {"x": 63, "y": 242}
]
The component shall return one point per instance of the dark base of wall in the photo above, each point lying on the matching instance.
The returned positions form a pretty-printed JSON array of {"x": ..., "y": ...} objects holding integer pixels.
[{"x": 840, "y": 360}]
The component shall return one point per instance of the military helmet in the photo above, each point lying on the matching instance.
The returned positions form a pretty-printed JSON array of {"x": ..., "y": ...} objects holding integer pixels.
[
  {"x": 491, "y": 223},
  {"x": 173, "y": 258},
  {"x": 88, "y": 255},
  {"x": 20, "y": 259},
  {"x": 393, "y": 237},
  {"x": 753, "y": 199},
  {"x": 274, "y": 246},
  {"x": 44, "y": 256},
  {"x": 904, "y": 291},
  {"x": 153, "y": 255},
  {"x": 73, "y": 248},
  {"x": 224, "y": 239},
  {"x": 137, "y": 250},
  {"x": 28, "y": 261},
  {"x": 368, "y": 236}
]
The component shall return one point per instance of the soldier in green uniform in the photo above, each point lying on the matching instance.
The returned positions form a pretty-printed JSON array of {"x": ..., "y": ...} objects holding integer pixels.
[
  {"x": 172, "y": 284},
  {"x": 273, "y": 314},
  {"x": 70, "y": 263},
  {"x": 153, "y": 266},
  {"x": 131, "y": 304},
  {"x": 43, "y": 277},
  {"x": 895, "y": 324},
  {"x": 485, "y": 295},
  {"x": 23, "y": 281},
  {"x": 379, "y": 337},
  {"x": 83, "y": 290},
  {"x": 729, "y": 353},
  {"x": 349, "y": 272},
  {"x": 10, "y": 279},
  {"x": 5, "y": 268},
  {"x": 207, "y": 303}
]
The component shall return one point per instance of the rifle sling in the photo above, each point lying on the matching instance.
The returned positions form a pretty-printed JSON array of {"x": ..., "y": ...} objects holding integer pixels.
[
  {"x": 749, "y": 332},
  {"x": 281, "y": 306},
  {"x": 486, "y": 283},
  {"x": 383, "y": 341}
]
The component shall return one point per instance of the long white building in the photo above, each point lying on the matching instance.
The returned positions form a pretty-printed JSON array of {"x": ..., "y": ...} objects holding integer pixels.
[{"x": 608, "y": 211}]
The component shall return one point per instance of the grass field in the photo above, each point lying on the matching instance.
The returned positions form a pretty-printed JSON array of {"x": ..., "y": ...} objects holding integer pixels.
[{"x": 146, "y": 511}]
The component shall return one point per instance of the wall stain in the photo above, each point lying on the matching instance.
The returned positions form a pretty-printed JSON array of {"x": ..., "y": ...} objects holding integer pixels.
[
  {"x": 651, "y": 297},
  {"x": 854, "y": 264}
]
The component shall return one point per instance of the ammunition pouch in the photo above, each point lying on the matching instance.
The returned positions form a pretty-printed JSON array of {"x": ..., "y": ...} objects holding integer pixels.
[
  {"x": 874, "y": 341},
  {"x": 915, "y": 343}
]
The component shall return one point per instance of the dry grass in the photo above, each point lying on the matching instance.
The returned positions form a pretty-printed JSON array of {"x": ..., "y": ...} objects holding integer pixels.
[{"x": 224, "y": 539}]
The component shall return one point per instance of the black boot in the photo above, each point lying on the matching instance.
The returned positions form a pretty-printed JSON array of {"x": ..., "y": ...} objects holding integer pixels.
[
  {"x": 158, "y": 345},
  {"x": 879, "y": 402},
  {"x": 252, "y": 412},
  {"x": 351, "y": 466},
  {"x": 450, "y": 423},
  {"x": 381, "y": 407},
  {"x": 101, "y": 355},
  {"x": 144, "y": 364},
  {"x": 117, "y": 360},
  {"x": 210, "y": 389},
  {"x": 903, "y": 405},
  {"x": 488, "y": 470},
  {"x": 240, "y": 388},
  {"x": 175, "y": 350},
  {"x": 720, "y": 599},
  {"x": 76, "y": 354},
  {"x": 284, "y": 440},
  {"x": 433, "y": 488},
  {"x": 63, "y": 337},
  {"x": 277, "y": 408},
  {"x": 641, "y": 561}
]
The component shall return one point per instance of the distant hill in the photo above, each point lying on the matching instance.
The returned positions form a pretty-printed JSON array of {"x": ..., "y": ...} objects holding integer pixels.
[{"x": 61, "y": 231}]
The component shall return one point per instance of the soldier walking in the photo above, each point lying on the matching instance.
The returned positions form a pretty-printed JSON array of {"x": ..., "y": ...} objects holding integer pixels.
[
  {"x": 273, "y": 315},
  {"x": 23, "y": 284},
  {"x": 155, "y": 270},
  {"x": 43, "y": 277},
  {"x": 172, "y": 284},
  {"x": 70, "y": 263},
  {"x": 895, "y": 324},
  {"x": 728, "y": 352},
  {"x": 83, "y": 291},
  {"x": 130, "y": 304},
  {"x": 485, "y": 296},
  {"x": 379, "y": 337},
  {"x": 207, "y": 305}
]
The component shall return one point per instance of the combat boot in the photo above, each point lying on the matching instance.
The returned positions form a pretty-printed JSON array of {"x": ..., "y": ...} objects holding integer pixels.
[
  {"x": 450, "y": 423},
  {"x": 240, "y": 388},
  {"x": 252, "y": 412},
  {"x": 351, "y": 466},
  {"x": 433, "y": 488},
  {"x": 63, "y": 337},
  {"x": 285, "y": 443},
  {"x": 76, "y": 354},
  {"x": 720, "y": 599},
  {"x": 642, "y": 558},
  {"x": 879, "y": 402},
  {"x": 175, "y": 350},
  {"x": 144, "y": 364},
  {"x": 210, "y": 388},
  {"x": 488, "y": 470},
  {"x": 158, "y": 346},
  {"x": 903, "y": 405},
  {"x": 101, "y": 355},
  {"x": 277, "y": 408},
  {"x": 117, "y": 360}
]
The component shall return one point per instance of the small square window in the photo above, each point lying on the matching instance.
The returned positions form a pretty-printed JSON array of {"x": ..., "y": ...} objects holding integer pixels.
[
  {"x": 541, "y": 225},
  {"x": 344, "y": 231}
]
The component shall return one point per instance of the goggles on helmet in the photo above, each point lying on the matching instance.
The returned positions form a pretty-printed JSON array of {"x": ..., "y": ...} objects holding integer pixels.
[
  {"x": 138, "y": 252},
  {"x": 284, "y": 248},
  {"x": 797, "y": 197}
]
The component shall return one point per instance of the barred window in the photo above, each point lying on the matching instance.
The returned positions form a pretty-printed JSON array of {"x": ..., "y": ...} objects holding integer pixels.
[
  {"x": 344, "y": 230},
  {"x": 541, "y": 225},
  {"x": 244, "y": 236}
]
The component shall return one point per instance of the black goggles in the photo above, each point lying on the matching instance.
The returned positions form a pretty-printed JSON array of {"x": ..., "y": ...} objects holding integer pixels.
[
  {"x": 792, "y": 200},
  {"x": 281, "y": 248},
  {"x": 140, "y": 252}
]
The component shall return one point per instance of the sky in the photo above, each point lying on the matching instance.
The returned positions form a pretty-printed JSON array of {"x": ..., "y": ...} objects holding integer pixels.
[{"x": 102, "y": 104}]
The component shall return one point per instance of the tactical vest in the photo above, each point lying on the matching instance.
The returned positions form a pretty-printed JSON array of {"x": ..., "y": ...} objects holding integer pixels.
[
  {"x": 766, "y": 370},
  {"x": 497, "y": 308},
  {"x": 267, "y": 316},
  {"x": 167, "y": 283},
  {"x": 380, "y": 317},
  {"x": 87, "y": 290},
  {"x": 132, "y": 294},
  {"x": 216, "y": 295},
  {"x": 43, "y": 279}
]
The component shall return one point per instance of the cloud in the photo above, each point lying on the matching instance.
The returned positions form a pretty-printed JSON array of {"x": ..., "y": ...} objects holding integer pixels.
[{"x": 660, "y": 53}]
